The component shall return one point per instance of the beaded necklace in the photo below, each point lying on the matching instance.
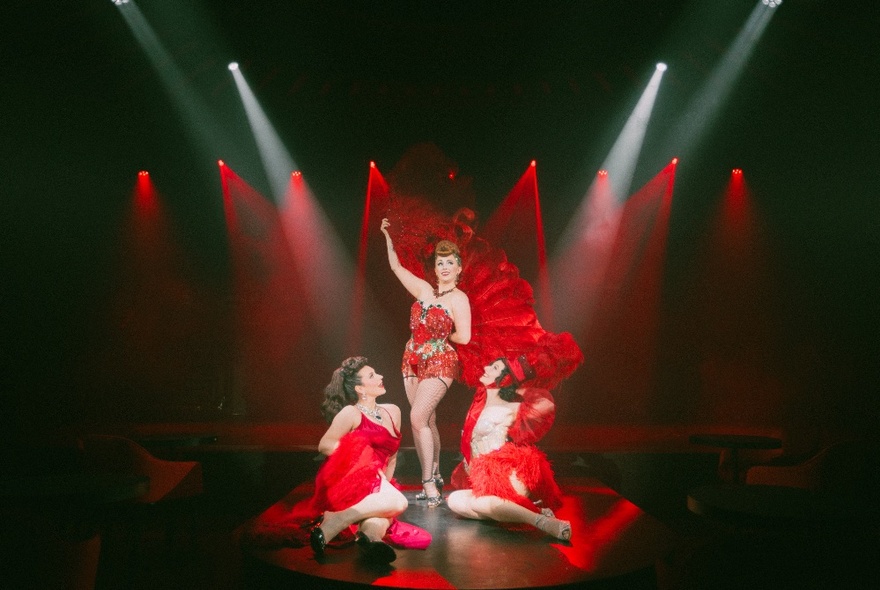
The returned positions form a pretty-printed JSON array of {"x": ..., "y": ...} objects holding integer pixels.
[
  {"x": 374, "y": 413},
  {"x": 439, "y": 294}
]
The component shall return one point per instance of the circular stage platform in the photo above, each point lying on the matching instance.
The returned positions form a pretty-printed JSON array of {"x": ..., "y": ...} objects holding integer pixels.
[{"x": 614, "y": 545}]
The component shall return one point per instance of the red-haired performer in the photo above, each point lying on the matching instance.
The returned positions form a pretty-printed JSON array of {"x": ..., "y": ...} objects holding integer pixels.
[{"x": 439, "y": 315}]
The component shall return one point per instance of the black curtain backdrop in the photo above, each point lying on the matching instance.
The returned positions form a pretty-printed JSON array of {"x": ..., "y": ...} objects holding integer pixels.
[{"x": 102, "y": 327}]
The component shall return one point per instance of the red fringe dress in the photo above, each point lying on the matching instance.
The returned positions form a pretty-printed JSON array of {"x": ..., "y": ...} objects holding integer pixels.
[
  {"x": 488, "y": 474},
  {"x": 349, "y": 475}
]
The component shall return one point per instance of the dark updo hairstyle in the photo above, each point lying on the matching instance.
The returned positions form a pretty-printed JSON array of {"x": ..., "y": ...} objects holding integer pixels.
[
  {"x": 515, "y": 371},
  {"x": 340, "y": 391},
  {"x": 506, "y": 386}
]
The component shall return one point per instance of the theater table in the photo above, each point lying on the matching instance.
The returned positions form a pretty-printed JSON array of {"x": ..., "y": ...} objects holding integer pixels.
[{"x": 735, "y": 442}]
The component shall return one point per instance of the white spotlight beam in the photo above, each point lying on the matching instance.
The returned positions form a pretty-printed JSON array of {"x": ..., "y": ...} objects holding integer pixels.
[
  {"x": 586, "y": 243},
  {"x": 277, "y": 161},
  {"x": 705, "y": 105},
  {"x": 621, "y": 160},
  {"x": 198, "y": 124}
]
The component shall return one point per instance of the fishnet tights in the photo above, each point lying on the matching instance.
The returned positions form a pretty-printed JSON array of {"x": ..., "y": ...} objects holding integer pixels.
[{"x": 424, "y": 396}]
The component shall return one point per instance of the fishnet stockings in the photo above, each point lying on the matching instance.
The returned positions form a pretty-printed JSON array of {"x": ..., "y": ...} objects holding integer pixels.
[{"x": 424, "y": 396}]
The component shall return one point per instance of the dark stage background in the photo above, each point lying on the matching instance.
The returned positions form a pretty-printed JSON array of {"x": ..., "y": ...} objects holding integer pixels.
[{"x": 93, "y": 334}]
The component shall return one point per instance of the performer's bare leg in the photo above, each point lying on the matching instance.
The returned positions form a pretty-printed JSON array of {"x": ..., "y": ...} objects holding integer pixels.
[
  {"x": 426, "y": 398},
  {"x": 374, "y": 528},
  {"x": 466, "y": 504},
  {"x": 387, "y": 503}
]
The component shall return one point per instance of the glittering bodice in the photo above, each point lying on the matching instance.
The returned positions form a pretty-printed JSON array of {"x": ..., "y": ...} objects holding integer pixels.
[
  {"x": 430, "y": 325},
  {"x": 429, "y": 322}
]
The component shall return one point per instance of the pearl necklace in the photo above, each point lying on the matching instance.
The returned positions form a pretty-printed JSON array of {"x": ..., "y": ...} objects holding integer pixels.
[
  {"x": 438, "y": 294},
  {"x": 374, "y": 413}
]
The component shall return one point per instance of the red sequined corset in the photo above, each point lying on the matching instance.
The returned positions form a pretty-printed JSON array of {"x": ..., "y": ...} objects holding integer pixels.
[{"x": 428, "y": 352}]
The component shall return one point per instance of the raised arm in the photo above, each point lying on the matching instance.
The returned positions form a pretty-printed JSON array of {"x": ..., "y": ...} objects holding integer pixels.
[
  {"x": 344, "y": 422},
  {"x": 417, "y": 287}
]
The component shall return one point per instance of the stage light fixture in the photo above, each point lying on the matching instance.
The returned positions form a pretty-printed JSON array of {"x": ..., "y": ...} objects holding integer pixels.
[
  {"x": 233, "y": 66},
  {"x": 120, "y": 2},
  {"x": 372, "y": 164},
  {"x": 143, "y": 173},
  {"x": 533, "y": 164},
  {"x": 603, "y": 173},
  {"x": 221, "y": 163},
  {"x": 771, "y": 3},
  {"x": 661, "y": 67},
  {"x": 737, "y": 171},
  {"x": 296, "y": 173}
]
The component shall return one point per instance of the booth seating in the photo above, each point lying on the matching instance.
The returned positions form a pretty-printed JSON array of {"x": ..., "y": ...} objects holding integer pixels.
[{"x": 163, "y": 512}]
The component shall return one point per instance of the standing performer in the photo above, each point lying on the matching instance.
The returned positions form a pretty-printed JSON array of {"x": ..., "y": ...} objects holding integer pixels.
[
  {"x": 354, "y": 489},
  {"x": 505, "y": 477},
  {"x": 510, "y": 479},
  {"x": 440, "y": 315}
]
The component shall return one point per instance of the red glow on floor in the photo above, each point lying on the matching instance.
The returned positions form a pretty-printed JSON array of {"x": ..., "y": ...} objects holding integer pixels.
[{"x": 426, "y": 578}]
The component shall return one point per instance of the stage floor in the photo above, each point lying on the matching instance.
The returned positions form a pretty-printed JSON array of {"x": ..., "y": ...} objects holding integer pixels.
[{"x": 612, "y": 540}]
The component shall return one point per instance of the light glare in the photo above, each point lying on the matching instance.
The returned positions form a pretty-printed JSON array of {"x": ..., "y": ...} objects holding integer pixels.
[
  {"x": 233, "y": 66},
  {"x": 661, "y": 67}
]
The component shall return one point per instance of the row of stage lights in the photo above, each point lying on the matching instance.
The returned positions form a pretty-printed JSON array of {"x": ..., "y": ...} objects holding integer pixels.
[{"x": 602, "y": 173}]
